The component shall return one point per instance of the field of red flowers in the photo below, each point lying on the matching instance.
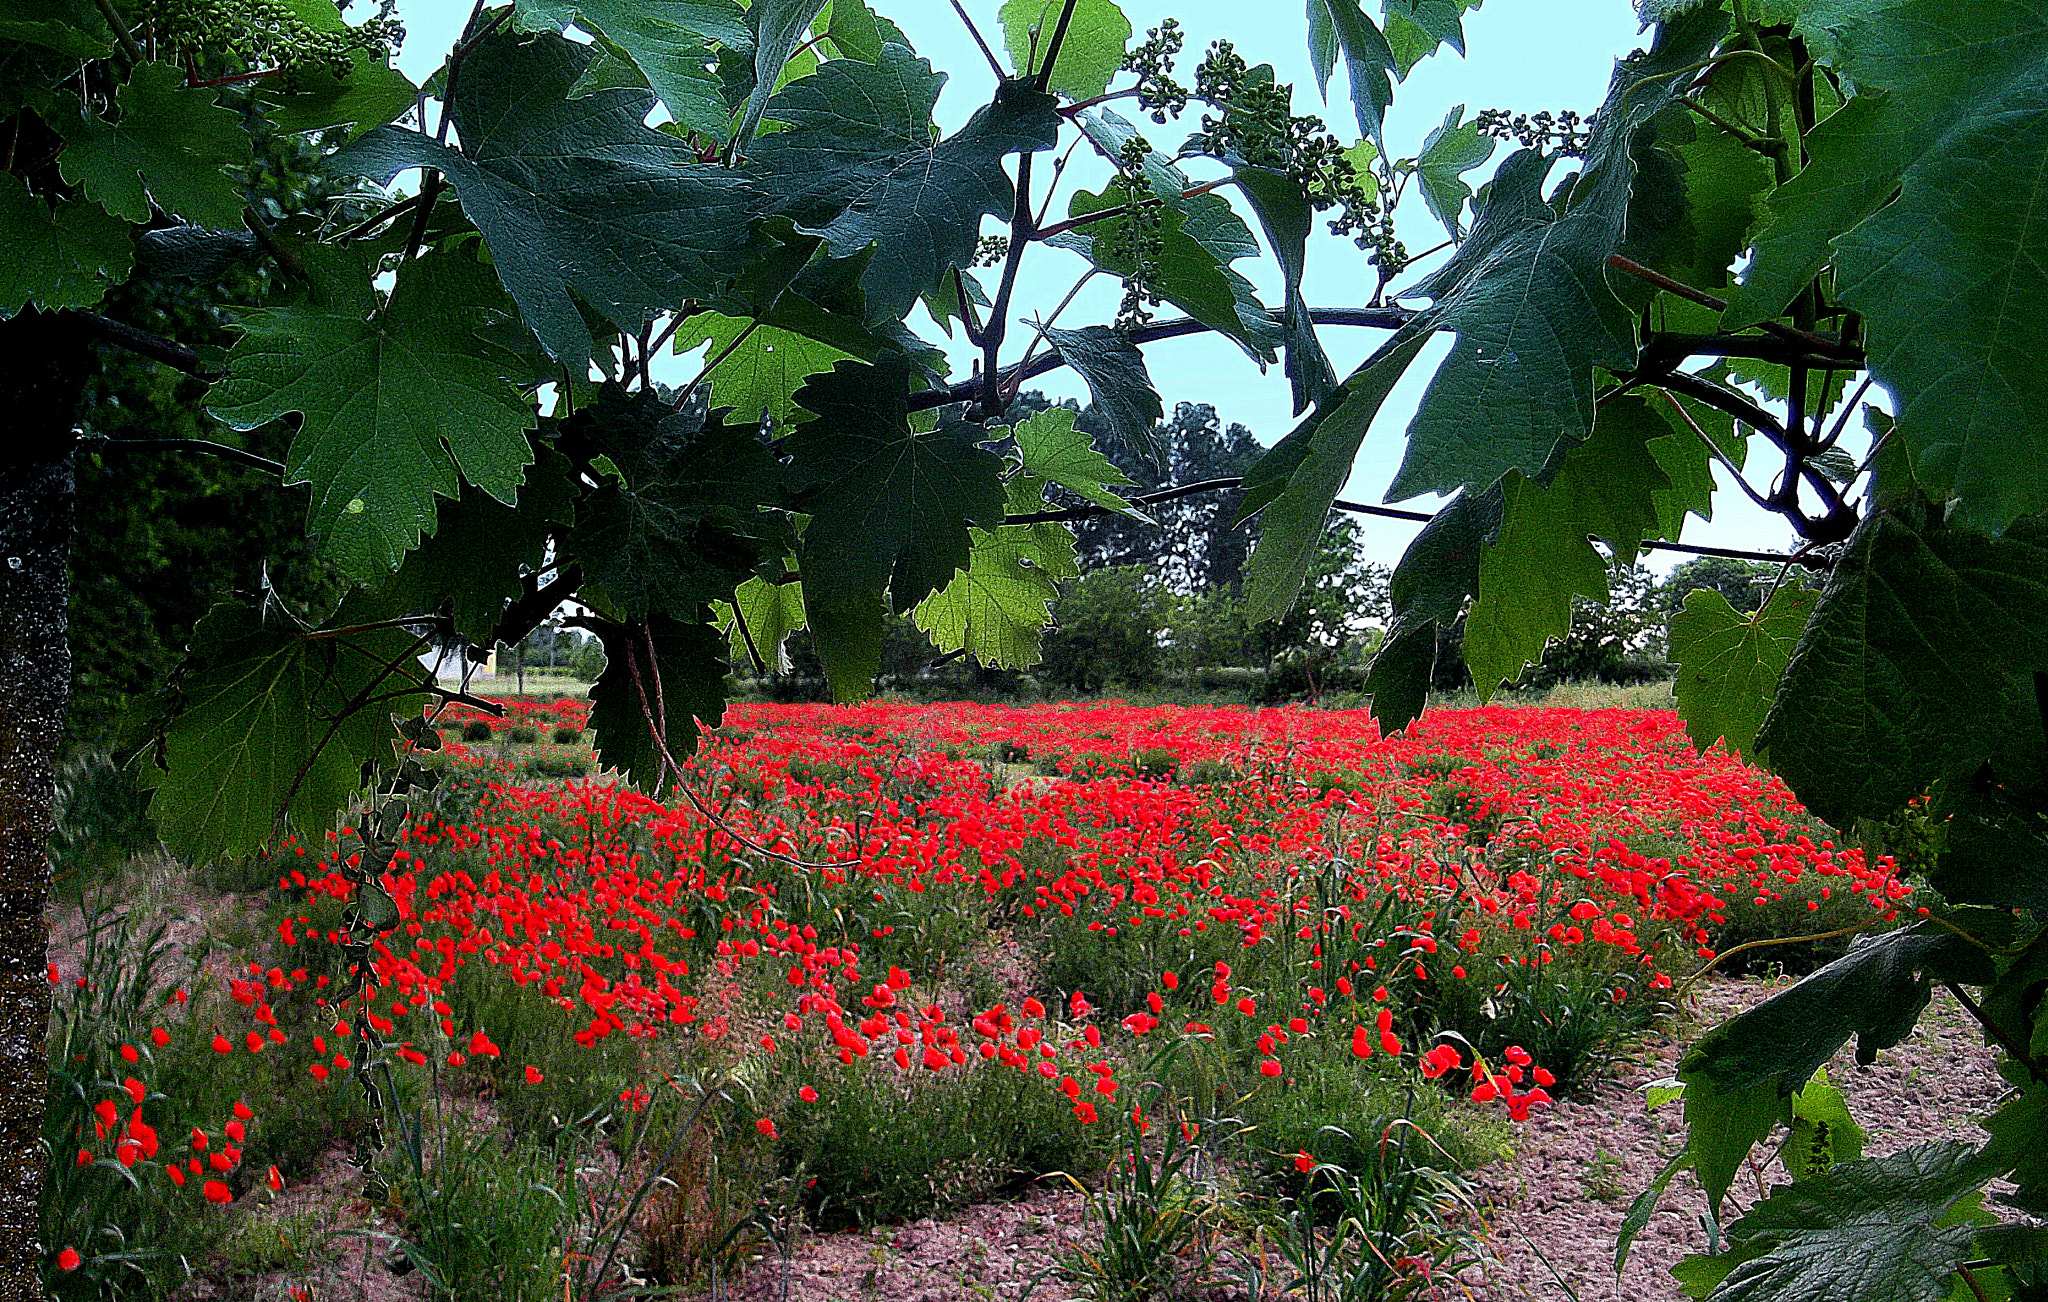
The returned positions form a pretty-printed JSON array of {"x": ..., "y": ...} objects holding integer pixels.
[{"x": 885, "y": 960}]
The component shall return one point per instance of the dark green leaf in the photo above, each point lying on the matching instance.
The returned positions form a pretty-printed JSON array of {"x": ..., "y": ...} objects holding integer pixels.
[
  {"x": 1995, "y": 843},
  {"x": 1336, "y": 26},
  {"x": 194, "y": 252},
  {"x": 1889, "y": 1229},
  {"x": 764, "y": 369},
  {"x": 779, "y": 27},
  {"x": 1742, "y": 1074},
  {"x": 1528, "y": 294},
  {"x": 661, "y": 677},
  {"x": 1528, "y": 576},
  {"x": 858, "y": 166},
  {"x": 1125, "y": 401},
  {"x": 170, "y": 145},
  {"x": 1415, "y": 28},
  {"x": 890, "y": 509},
  {"x": 1293, "y": 485},
  {"x": 71, "y": 27},
  {"x": 372, "y": 94},
  {"x": 1449, "y": 152},
  {"x": 1286, "y": 217},
  {"x": 668, "y": 41},
  {"x": 1899, "y": 678},
  {"x": 396, "y": 401},
  {"x": 575, "y": 197},
  {"x": 479, "y": 548},
  {"x": 689, "y": 526},
  {"x": 1729, "y": 662},
  {"x": 1437, "y": 573},
  {"x": 1698, "y": 197},
  {"x": 1089, "y": 54},
  {"x": 69, "y": 256},
  {"x": 275, "y": 727}
]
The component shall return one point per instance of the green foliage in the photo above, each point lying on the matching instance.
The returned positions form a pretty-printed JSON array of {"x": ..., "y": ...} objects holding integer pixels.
[
  {"x": 1089, "y": 55},
  {"x": 1729, "y": 663}
]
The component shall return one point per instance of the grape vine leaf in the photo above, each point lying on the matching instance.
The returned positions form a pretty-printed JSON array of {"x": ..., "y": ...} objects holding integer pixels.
[
  {"x": 1899, "y": 678},
  {"x": 370, "y": 95},
  {"x": 1741, "y": 1075},
  {"x": 668, "y": 670},
  {"x": 1415, "y": 28},
  {"x": 576, "y": 198},
  {"x": 687, "y": 526},
  {"x": 1184, "y": 272},
  {"x": 170, "y": 145},
  {"x": 1697, "y": 202},
  {"x": 194, "y": 252},
  {"x": 1114, "y": 370},
  {"x": 667, "y": 41},
  {"x": 858, "y": 166},
  {"x": 998, "y": 607},
  {"x": 763, "y": 365},
  {"x": 276, "y": 726},
  {"x": 71, "y": 27},
  {"x": 1052, "y": 449},
  {"x": 1293, "y": 485},
  {"x": 1888, "y": 1229},
  {"x": 759, "y": 619},
  {"x": 1448, "y": 152},
  {"x": 889, "y": 509},
  {"x": 1090, "y": 53},
  {"x": 1284, "y": 214},
  {"x": 1528, "y": 295},
  {"x": 67, "y": 256},
  {"x": 1528, "y": 576},
  {"x": 1340, "y": 26},
  {"x": 479, "y": 547},
  {"x": 1966, "y": 244},
  {"x": 400, "y": 404},
  {"x": 1427, "y": 592},
  {"x": 779, "y": 26},
  {"x": 1823, "y": 1132},
  {"x": 1730, "y": 662}
]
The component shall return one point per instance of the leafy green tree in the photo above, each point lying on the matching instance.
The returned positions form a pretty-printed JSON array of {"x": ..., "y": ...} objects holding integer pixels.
[
  {"x": 463, "y": 381},
  {"x": 1193, "y": 543},
  {"x": 1107, "y": 631},
  {"x": 1743, "y": 584}
]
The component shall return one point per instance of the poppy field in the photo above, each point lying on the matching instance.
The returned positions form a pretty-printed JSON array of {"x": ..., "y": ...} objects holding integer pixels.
[{"x": 880, "y": 962}]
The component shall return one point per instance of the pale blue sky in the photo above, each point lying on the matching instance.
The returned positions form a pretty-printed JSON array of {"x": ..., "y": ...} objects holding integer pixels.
[{"x": 1521, "y": 55}]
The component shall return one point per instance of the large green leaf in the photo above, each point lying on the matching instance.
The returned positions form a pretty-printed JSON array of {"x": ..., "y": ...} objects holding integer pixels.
[
  {"x": 66, "y": 256},
  {"x": 1697, "y": 200},
  {"x": 1529, "y": 297},
  {"x": 372, "y": 94},
  {"x": 1125, "y": 401},
  {"x": 1966, "y": 245},
  {"x": 1052, "y": 449},
  {"x": 1293, "y": 485},
  {"x": 1184, "y": 273},
  {"x": 999, "y": 606},
  {"x": 889, "y": 509},
  {"x": 1899, "y": 679},
  {"x": 473, "y": 560},
  {"x": 1729, "y": 662},
  {"x": 400, "y": 403},
  {"x": 661, "y": 678},
  {"x": 779, "y": 27},
  {"x": 1448, "y": 152},
  {"x": 1606, "y": 487},
  {"x": 1415, "y": 28},
  {"x": 1427, "y": 591},
  {"x": 1089, "y": 53},
  {"x": 859, "y": 167},
  {"x": 71, "y": 27},
  {"x": 1284, "y": 214},
  {"x": 688, "y": 526},
  {"x": 759, "y": 619},
  {"x": 169, "y": 144},
  {"x": 577, "y": 198},
  {"x": 668, "y": 41},
  {"x": 1888, "y": 1229},
  {"x": 1744, "y": 1072},
  {"x": 275, "y": 727},
  {"x": 1823, "y": 1132},
  {"x": 759, "y": 377},
  {"x": 1340, "y": 26}
]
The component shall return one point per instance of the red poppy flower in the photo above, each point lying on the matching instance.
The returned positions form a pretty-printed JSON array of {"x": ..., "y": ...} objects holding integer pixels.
[
  {"x": 68, "y": 1260},
  {"x": 216, "y": 1192}
]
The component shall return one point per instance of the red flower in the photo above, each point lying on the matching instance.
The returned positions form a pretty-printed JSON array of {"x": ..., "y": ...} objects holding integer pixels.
[
  {"x": 242, "y": 1111},
  {"x": 1303, "y": 1162},
  {"x": 276, "y": 1180},
  {"x": 533, "y": 1076},
  {"x": 255, "y": 1042},
  {"x": 1361, "y": 1042},
  {"x": 159, "y": 1037},
  {"x": 220, "y": 1043},
  {"x": 216, "y": 1192},
  {"x": 1269, "y": 1067},
  {"x": 766, "y": 1126},
  {"x": 68, "y": 1259},
  {"x": 480, "y": 1046},
  {"x": 129, "y": 1054},
  {"x": 807, "y": 1094},
  {"x": 1169, "y": 980}
]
